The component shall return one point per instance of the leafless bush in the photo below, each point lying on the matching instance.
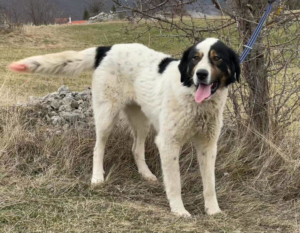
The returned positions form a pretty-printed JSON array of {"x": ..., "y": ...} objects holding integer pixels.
[
  {"x": 13, "y": 11},
  {"x": 260, "y": 139},
  {"x": 7, "y": 25},
  {"x": 267, "y": 100},
  {"x": 96, "y": 7},
  {"x": 37, "y": 12},
  {"x": 40, "y": 11}
]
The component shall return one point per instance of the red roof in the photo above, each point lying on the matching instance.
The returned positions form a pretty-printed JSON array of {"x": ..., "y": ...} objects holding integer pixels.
[{"x": 79, "y": 22}]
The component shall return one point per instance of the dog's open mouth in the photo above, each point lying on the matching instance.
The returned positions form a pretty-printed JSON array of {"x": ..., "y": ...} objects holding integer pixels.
[
  {"x": 214, "y": 87},
  {"x": 205, "y": 91}
]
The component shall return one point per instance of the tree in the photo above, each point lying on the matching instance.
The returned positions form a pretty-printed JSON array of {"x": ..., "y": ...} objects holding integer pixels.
[
  {"x": 121, "y": 15},
  {"x": 13, "y": 11},
  {"x": 113, "y": 9},
  {"x": 86, "y": 15},
  {"x": 255, "y": 104},
  {"x": 293, "y": 4},
  {"x": 96, "y": 7},
  {"x": 40, "y": 11},
  {"x": 2, "y": 15}
]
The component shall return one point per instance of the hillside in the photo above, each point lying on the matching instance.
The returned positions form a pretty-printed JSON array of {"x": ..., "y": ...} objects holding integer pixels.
[{"x": 75, "y": 8}]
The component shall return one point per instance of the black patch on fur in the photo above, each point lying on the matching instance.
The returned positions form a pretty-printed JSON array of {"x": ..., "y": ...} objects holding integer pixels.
[
  {"x": 164, "y": 63},
  {"x": 37, "y": 65},
  {"x": 100, "y": 54},
  {"x": 187, "y": 65},
  {"x": 229, "y": 60}
]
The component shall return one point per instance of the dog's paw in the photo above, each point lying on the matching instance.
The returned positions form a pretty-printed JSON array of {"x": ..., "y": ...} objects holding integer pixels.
[
  {"x": 213, "y": 210},
  {"x": 149, "y": 177},
  {"x": 147, "y": 174},
  {"x": 182, "y": 213},
  {"x": 96, "y": 181}
]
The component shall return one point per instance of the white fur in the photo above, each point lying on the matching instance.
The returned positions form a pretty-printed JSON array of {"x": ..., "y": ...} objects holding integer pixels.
[
  {"x": 68, "y": 63},
  {"x": 128, "y": 80},
  {"x": 204, "y": 47}
]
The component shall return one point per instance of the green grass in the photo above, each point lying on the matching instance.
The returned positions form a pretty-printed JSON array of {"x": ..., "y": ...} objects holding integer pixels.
[
  {"x": 115, "y": 33},
  {"x": 31, "y": 41}
]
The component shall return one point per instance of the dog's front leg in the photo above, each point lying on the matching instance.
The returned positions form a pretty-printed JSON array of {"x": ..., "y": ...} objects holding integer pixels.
[
  {"x": 206, "y": 154},
  {"x": 169, "y": 154}
]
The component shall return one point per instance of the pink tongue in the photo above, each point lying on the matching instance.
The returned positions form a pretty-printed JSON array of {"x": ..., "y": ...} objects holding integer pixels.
[{"x": 202, "y": 93}]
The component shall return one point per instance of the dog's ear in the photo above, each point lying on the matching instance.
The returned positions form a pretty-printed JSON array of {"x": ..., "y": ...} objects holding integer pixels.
[
  {"x": 235, "y": 68},
  {"x": 183, "y": 68}
]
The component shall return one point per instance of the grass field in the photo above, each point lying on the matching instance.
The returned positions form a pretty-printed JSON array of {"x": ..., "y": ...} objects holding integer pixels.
[{"x": 45, "y": 182}]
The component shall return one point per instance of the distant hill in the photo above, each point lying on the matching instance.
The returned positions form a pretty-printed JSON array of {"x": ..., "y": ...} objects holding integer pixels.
[{"x": 75, "y": 8}]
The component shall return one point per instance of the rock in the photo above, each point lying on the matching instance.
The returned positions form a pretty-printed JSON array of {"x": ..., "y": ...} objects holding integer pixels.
[
  {"x": 47, "y": 106},
  {"x": 65, "y": 108},
  {"x": 85, "y": 95},
  {"x": 89, "y": 113},
  {"x": 58, "y": 132},
  {"x": 54, "y": 95},
  {"x": 74, "y": 104},
  {"x": 48, "y": 118},
  {"x": 74, "y": 95},
  {"x": 55, "y": 104},
  {"x": 53, "y": 113},
  {"x": 102, "y": 17},
  {"x": 85, "y": 105},
  {"x": 69, "y": 95},
  {"x": 56, "y": 120},
  {"x": 70, "y": 102},
  {"x": 66, "y": 126},
  {"x": 70, "y": 116},
  {"x": 63, "y": 89},
  {"x": 80, "y": 113},
  {"x": 91, "y": 124}
]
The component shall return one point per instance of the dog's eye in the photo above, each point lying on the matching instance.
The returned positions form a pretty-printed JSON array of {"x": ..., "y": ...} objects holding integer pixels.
[
  {"x": 217, "y": 58},
  {"x": 196, "y": 58}
]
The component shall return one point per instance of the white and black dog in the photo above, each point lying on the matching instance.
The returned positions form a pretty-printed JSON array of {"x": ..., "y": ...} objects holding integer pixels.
[{"x": 183, "y": 99}]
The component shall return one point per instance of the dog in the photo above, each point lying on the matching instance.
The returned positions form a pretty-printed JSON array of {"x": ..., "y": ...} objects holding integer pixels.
[{"x": 183, "y": 99}]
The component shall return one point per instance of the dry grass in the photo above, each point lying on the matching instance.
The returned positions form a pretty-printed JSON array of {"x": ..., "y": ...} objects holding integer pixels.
[
  {"x": 45, "y": 172},
  {"x": 45, "y": 177}
]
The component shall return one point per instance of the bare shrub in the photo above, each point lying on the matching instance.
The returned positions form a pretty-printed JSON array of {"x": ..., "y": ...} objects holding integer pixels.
[
  {"x": 7, "y": 25},
  {"x": 260, "y": 140},
  {"x": 267, "y": 100},
  {"x": 41, "y": 12},
  {"x": 96, "y": 7}
]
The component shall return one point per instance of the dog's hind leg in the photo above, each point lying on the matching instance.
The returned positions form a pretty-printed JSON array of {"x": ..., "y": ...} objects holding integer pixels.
[
  {"x": 105, "y": 117},
  {"x": 140, "y": 126}
]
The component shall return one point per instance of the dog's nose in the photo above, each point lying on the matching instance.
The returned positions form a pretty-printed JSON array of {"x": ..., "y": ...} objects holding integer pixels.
[{"x": 202, "y": 74}]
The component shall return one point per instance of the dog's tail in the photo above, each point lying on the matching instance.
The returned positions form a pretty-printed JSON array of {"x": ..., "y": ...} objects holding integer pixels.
[{"x": 68, "y": 63}]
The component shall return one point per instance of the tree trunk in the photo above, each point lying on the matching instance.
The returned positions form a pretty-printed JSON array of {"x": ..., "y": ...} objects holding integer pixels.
[{"x": 254, "y": 69}]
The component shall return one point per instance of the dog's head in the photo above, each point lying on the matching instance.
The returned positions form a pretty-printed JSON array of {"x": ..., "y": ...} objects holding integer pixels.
[{"x": 209, "y": 66}]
